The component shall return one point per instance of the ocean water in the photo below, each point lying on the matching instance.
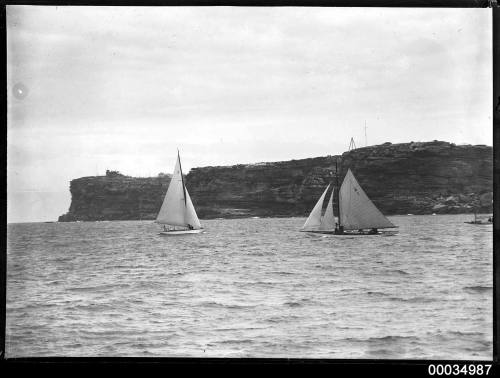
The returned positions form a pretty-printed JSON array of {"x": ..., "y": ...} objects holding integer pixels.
[{"x": 250, "y": 288}]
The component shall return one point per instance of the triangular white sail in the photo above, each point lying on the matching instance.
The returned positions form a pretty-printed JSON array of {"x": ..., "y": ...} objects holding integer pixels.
[
  {"x": 177, "y": 208},
  {"x": 357, "y": 211},
  {"x": 191, "y": 217},
  {"x": 314, "y": 219},
  {"x": 172, "y": 210},
  {"x": 328, "y": 221}
]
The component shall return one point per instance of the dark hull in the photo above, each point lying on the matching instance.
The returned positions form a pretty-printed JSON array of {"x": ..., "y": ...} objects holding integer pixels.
[
  {"x": 479, "y": 222},
  {"x": 354, "y": 233}
]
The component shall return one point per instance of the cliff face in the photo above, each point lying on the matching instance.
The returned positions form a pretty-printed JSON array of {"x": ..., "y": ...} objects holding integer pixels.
[
  {"x": 115, "y": 197},
  {"x": 268, "y": 189},
  {"x": 423, "y": 178},
  {"x": 416, "y": 178}
]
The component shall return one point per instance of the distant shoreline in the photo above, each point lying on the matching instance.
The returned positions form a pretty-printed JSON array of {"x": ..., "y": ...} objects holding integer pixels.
[
  {"x": 250, "y": 217},
  {"x": 404, "y": 178}
]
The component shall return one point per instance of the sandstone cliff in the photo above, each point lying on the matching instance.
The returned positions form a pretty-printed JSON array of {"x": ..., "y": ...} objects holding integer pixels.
[
  {"x": 417, "y": 178},
  {"x": 423, "y": 178},
  {"x": 115, "y": 197}
]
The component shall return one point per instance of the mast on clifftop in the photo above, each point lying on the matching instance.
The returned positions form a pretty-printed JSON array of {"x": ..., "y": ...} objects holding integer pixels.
[
  {"x": 352, "y": 145},
  {"x": 366, "y": 138}
]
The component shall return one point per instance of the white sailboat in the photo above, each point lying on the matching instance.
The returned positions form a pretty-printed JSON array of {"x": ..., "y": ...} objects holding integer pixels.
[
  {"x": 357, "y": 213},
  {"x": 177, "y": 213}
]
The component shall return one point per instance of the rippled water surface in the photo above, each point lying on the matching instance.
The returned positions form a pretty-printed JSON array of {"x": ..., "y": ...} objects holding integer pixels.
[{"x": 250, "y": 288}]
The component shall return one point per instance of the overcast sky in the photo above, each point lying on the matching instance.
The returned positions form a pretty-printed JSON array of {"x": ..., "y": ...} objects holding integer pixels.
[{"x": 96, "y": 88}]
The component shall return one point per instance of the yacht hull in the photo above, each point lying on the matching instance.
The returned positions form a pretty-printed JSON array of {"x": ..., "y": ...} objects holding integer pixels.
[
  {"x": 354, "y": 233},
  {"x": 181, "y": 232}
]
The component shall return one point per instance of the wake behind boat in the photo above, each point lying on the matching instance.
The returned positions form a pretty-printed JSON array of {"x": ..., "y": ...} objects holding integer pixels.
[
  {"x": 177, "y": 213},
  {"x": 358, "y": 215}
]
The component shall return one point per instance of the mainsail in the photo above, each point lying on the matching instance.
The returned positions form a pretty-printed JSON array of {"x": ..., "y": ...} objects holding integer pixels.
[
  {"x": 314, "y": 219},
  {"x": 177, "y": 208},
  {"x": 357, "y": 211}
]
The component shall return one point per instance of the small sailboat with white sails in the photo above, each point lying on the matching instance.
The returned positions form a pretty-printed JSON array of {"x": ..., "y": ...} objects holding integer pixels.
[
  {"x": 357, "y": 214},
  {"x": 177, "y": 213}
]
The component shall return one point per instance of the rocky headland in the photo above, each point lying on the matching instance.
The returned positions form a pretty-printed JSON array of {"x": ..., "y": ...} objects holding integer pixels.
[
  {"x": 115, "y": 197},
  {"x": 406, "y": 178}
]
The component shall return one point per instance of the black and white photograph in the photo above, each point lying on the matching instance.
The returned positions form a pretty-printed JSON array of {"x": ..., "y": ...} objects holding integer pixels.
[{"x": 249, "y": 182}]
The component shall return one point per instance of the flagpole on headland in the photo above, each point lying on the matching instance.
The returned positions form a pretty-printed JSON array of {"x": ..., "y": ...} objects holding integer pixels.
[{"x": 366, "y": 139}]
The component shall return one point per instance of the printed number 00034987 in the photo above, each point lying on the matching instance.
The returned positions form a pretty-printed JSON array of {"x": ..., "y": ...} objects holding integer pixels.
[{"x": 472, "y": 369}]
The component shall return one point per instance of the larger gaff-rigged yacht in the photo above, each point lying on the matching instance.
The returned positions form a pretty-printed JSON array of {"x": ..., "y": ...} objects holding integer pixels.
[
  {"x": 177, "y": 213},
  {"x": 357, "y": 214}
]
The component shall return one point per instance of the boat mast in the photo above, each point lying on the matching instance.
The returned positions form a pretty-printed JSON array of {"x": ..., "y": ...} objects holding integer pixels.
[
  {"x": 182, "y": 177},
  {"x": 338, "y": 190}
]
